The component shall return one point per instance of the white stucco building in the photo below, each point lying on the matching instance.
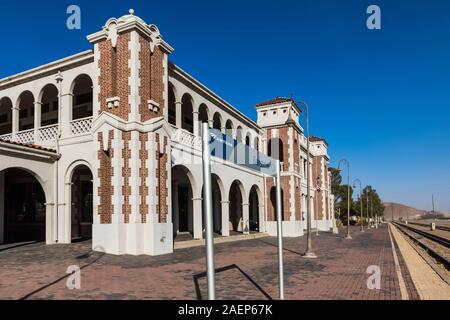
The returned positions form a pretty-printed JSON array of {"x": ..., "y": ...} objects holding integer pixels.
[{"x": 106, "y": 144}]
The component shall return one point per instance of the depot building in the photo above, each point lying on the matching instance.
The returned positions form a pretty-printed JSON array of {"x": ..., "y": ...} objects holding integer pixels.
[{"x": 94, "y": 146}]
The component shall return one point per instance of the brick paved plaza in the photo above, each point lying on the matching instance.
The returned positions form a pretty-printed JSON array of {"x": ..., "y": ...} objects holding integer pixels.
[{"x": 246, "y": 270}]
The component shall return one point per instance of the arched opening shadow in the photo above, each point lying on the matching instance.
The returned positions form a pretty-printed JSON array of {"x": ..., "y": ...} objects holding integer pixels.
[{"x": 224, "y": 269}]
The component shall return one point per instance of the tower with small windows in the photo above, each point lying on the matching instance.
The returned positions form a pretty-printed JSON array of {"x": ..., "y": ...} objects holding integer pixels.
[{"x": 279, "y": 118}]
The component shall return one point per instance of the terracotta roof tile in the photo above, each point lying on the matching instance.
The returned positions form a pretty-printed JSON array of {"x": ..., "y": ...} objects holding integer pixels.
[
  {"x": 275, "y": 101},
  {"x": 32, "y": 146}
]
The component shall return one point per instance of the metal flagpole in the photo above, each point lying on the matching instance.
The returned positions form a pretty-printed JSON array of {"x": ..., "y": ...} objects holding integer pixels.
[
  {"x": 208, "y": 214},
  {"x": 280, "y": 230}
]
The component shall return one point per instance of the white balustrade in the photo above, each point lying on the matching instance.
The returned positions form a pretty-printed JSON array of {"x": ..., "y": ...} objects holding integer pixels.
[
  {"x": 6, "y": 137},
  {"x": 81, "y": 126},
  {"x": 26, "y": 137},
  {"x": 48, "y": 133},
  {"x": 188, "y": 139}
]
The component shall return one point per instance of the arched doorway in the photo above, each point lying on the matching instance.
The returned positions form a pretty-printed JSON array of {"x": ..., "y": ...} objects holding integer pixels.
[
  {"x": 182, "y": 201},
  {"x": 23, "y": 206},
  {"x": 255, "y": 224},
  {"x": 82, "y": 203},
  {"x": 236, "y": 201},
  {"x": 273, "y": 201}
]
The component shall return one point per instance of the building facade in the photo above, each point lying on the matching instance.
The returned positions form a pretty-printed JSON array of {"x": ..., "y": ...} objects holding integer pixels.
[{"x": 106, "y": 145}]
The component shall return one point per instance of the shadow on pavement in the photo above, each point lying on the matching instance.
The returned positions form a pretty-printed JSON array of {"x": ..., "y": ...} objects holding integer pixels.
[{"x": 224, "y": 269}]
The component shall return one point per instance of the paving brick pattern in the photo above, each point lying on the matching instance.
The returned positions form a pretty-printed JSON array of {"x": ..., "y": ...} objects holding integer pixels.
[{"x": 246, "y": 270}]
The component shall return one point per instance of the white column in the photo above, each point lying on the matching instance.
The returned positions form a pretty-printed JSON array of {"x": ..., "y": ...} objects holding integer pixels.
[
  {"x": 196, "y": 124},
  {"x": 225, "y": 218},
  {"x": 66, "y": 114},
  {"x": 179, "y": 116},
  {"x": 15, "y": 121},
  {"x": 262, "y": 220},
  {"x": 175, "y": 208},
  {"x": 37, "y": 121},
  {"x": 246, "y": 218},
  {"x": 198, "y": 218},
  {"x": 2, "y": 206},
  {"x": 224, "y": 130}
]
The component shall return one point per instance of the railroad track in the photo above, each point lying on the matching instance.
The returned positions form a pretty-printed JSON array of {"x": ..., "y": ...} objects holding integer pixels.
[
  {"x": 443, "y": 228},
  {"x": 437, "y": 246}
]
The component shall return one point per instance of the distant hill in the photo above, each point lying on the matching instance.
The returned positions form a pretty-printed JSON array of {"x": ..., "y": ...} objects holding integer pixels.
[{"x": 406, "y": 212}]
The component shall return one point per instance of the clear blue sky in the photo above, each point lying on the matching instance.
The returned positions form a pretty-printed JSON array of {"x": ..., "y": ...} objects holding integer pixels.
[{"x": 380, "y": 98}]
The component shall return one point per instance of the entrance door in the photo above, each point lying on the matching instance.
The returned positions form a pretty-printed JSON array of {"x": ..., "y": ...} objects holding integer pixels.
[{"x": 183, "y": 203}]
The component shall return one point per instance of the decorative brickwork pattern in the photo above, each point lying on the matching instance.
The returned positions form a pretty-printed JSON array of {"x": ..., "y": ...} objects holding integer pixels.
[
  {"x": 151, "y": 78},
  {"x": 114, "y": 74},
  {"x": 105, "y": 173},
  {"x": 162, "y": 175},
  {"x": 126, "y": 173},
  {"x": 143, "y": 190}
]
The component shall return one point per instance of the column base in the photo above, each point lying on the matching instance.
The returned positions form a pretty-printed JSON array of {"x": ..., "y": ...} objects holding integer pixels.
[
  {"x": 134, "y": 239},
  {"x": 291, "y": 229}
]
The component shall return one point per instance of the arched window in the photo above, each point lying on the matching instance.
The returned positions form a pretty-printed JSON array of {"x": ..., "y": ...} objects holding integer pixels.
[
  {"x": 26, "y": 111},
  {"x": 229, "y": 128},
  {"x": 187, "y": 113},
  {"x": 203, "y": 114},
  {"x": 5, "y": 116},
  {"x": 82, "y": 98},
  {"x": 49, "y": 105},
  {"x": 172, "y": 106},
  {"x": 217, "y": 123}
]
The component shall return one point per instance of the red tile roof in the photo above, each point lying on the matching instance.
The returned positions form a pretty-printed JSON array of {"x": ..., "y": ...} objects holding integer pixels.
[
  {"x": 277, "y": 100},
  {"x": 32, "y": 146}
]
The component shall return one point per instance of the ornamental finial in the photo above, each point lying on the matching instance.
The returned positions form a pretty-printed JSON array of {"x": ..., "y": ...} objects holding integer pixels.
[{"x": 131, "y": 12}]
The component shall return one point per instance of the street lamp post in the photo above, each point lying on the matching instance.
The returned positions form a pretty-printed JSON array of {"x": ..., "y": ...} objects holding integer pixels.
[
  {"x": 349, "y": 237},
  {"x": 360, "y": 200},
  {"x": 368, "y": 217},
  {"x": 309, "y": 252},
  {"x": 317, "y": 205}
]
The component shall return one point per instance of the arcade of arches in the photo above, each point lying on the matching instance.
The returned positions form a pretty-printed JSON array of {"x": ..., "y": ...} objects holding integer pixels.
[
  {"x": 188, "y": 208},
  {"x": 23, "y": 206}
]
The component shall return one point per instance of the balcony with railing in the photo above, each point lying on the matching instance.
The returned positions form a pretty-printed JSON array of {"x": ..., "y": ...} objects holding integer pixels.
[{"x": 47, "y": 135}]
